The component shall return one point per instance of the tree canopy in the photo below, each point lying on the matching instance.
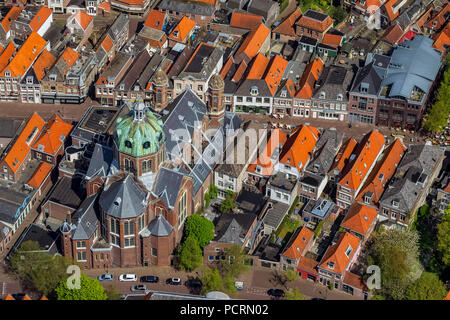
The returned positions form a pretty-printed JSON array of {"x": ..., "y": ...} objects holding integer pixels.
[
  {"x": 338, "y": 14},
  {"x": 37, "y": 269},
  {"x": 443, "y": 237},
  {"x": 190, "y": 254},
  {"x": 294, "y": 294},
  {"x": 212, "y": 280},
  {"x": 90, "y": 289},
  {"x": 228, "y": 204},
  {"x": 427, "y": 287},
  {"x": 437, "y": 117},
  {"x": 200, "y": 228},
  {"x": 234, "y": 263}
]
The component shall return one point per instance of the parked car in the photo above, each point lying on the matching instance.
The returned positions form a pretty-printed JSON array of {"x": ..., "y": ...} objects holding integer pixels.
[
  {"x": 105, "y": 277},
  {"x": 139, "y": 287},
  {"x": 127, "y": 277},
  {"x": 239, "y": 285},
  {"x": 275, "y": 293},
  {"x": 173, "y": 281},
  {"x": 151, "y": 279},
  {"x": 193, "y": 283}
]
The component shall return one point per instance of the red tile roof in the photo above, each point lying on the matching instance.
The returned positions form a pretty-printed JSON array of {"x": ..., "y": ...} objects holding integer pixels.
[
  {"x": 239, "y": 71},
  {"x": 442, "y": 38},
  {"x": 382, "y": 172},
  {"x": 359, "y": 218},
  {"x": 297, "y": 247},
  {"x": 355, "y": 281},
  {"x": 245, "y": 20},
  {"x": 53, "y": 136},
  {"x": 307, "y": 265},
  {"x": 311, "y": 23},
  {"x": 40, "y": 175},
  {"x": 26, "y": 55},
  {"x": 275, "y": 72},
  {"x": 107, "y": 44},
  {"x": 155, "y": 19},
  {"x": 83, "y": 19},
  {"x": 258, "y": 67},
  {"x": 22, "y": 145},
  {"x": 338, "y": 256},
  {"x": 182, "y": 30},
  {"x": 6, "y": 55},
  {"x": 12, "y": 15},
  {"x": 226, "y": 67},
  {"x": 309, "y": 78},
  {"x": 39, "y": 19},
  {"x": 369, "y": 3},
  {"x": 276, "y": 140},
  {"x": 343, "y": 155},
  {"x": 393, "y": 34},
  {"x": 287, "y": 27},
  {"x": 9, "y": 297},
  {"x": 105, "y": 6},
  {"x": 438, "y": 21},
  {"x": 69, "y": 56},
  {"x": 44, "y": 62},
  {"x": 365, "y": 154},
  {"x": 391, "y": 11},
  {"x": 253, "y": 41},
  {"x": 333, "y": 40},
  {"x": 299, "y": 146}
]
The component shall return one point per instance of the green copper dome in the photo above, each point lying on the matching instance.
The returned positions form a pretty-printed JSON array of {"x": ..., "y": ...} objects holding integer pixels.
[{"x": 139, "y": 133}]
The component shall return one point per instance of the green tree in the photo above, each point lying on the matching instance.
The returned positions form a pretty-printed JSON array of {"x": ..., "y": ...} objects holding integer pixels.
[
  {"x": 443, "y": 237},
  {"x": 90, "y": 289},
  {"x": 294, "y": 294},
  {"x": 234, "y": 263},
  {"x": 338, "y": 14},
  {"x": 213, "y": 191},
  {"x": 190, "y": 254},
  {"x": 396, "y": 253},
  {"x": 200, "y": 228},
  {"x": 211, "y": 281},
  {"x": 38, "y": 269},
  {"x": 291, "y": 275},
  {"x": 112, "y": 292},
  {"x": 427, "y": 287},
  {"x": 228, "y": 204},
  {"x": 437, "y": 117}
]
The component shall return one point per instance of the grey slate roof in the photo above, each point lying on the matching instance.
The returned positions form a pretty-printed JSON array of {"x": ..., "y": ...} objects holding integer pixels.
[
  {"x": 133, "y": 73},
  {"x": 334, "y": 80},
  {"x": 9, "y": 127},
  {"x": 67, "y": 192},
  {"x": 123, "y": 199},
  {"x": 414, "y": 63},
  {"x": 167, "y": 185},
  {"x": 202, "y": 64},
  {"x": 185, "y": 7},
  {"x": 118, "y": 25},
  {"x": 47, "y": 239},
  {"x": 275, "y": 215},
  {"x": 261, "y": 7},
  {"x": 101, "y": 160},
  {"x": 245, "y": 88},
  {"x": 85, "y": 219},
  {"x": 160, "y": 227},
  {"x": 326, "y": 149},
  {"x": 232, "y": 228},
  {"x": 367, "y": 78}
]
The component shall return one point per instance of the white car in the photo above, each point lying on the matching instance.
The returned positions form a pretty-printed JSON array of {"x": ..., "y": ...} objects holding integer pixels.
[{"x": 127, "y": 277}]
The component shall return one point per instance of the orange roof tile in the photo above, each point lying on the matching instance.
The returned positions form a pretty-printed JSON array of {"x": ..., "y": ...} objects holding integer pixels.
[
  {"x": 41, "y": 173},
  {"x": 309, "y": 78},
  {"x": 1, "y": 48},
  {"x": 276, "y": 140},
  {"x": 70, "y": 56},
  {"x": 333, "y": 40},
  {"x": 9, "y": 297},
  {"x": 310, "y": 23},
  {"x": 239, "y": 71},
  {"x": 132, "y": 1},
  {"x": 7, "y": 54},
  {"x": 44, "y": 62},
  {"x": 40, "y": 18},
  {"x": 308, "y": 265},
  {"x": 155, "y": 19},
  {"x": 447, "y": 188},
  {"x": 107, "y": 44},
  {"x": 369, "y": 3},
  {"x": 258, "y": 67},
  {"x": 226, "y": 67},
  {"x": 253, "y": 42},
  {"x": 393, "y": 34},
  {"x": 424, "y": 18},
  {"x": 359, "y": 218},
  {"x": 338, "y": 256},
  {"x": 296, "y": 248},
  {"x": 438, "y": 21},
  {"x": 83, "y": 19},
  {"x": 105, "y": 6},
  {"x": 275, "y": 72},
  {"x": 287, "y": 26},
  {"x": 392, "y": 12},
  {"x": 26, "y": 55},
  {"x": 44, "y": 298},
  {"x": 442, "y": 38},
  {"x": 354, "y": 281},
  {"x": 343, "y": 155},
  {"x": 298, "y": 147},
  {"x": 382, "y": 172},
  {"x": 26, "y": 297},
  {"x": 12, "y": 15},
  {"x": 365, "y": 154},
  {"x": 245, "y": 20},
  {"x": 22, "y": 145},
  {"x": 182, "y": 30},
  {"x": 53, "y": 137}
]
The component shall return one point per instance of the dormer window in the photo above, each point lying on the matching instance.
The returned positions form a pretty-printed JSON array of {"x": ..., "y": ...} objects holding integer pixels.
[
  {"x": 122, "y": 86},
  {"x": 283, "y": 94},
  {"x": 349, "y": 250},
  {"x": 29, "y": 80},
  {"x": 52, "y": 77},
  {"x": 254, "y": 91},
  {"x": 322, "y": 95},
  {"x": 7, "y": 73},
  {"x": 330, "y": 265},
  {"x": 175, "y": 33},
  {"x": 395, "y": 204},
  {"x": 340, "y": 97}
]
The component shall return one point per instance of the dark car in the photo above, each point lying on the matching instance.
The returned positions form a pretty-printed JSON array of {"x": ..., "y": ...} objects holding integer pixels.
[
  {"x": 151, "y": 279},
  {"x": 193, "y": 283},
  {"x": 275, "y": 293},
  {"x": 139, "y": 287},
  {"x": 174, "y": 281}
]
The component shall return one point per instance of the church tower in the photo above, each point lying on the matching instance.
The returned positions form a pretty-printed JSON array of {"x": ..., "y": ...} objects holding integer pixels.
[
  {"x": 160, "y": 83},
  {"x": 216, "y": 108}
]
